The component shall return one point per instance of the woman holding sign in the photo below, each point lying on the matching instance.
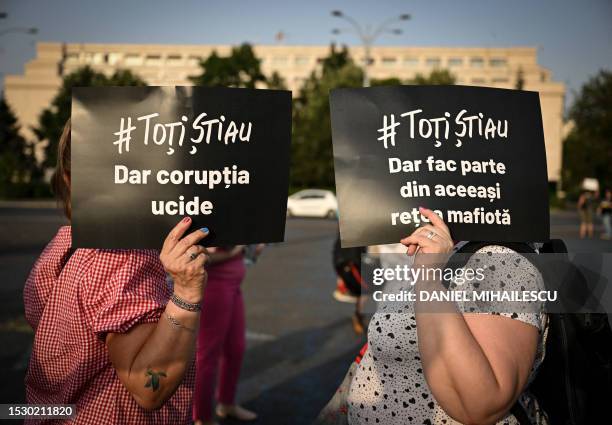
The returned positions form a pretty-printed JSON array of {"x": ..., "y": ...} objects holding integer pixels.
[
  {"x": 449, "y": 366},
  {"x": 110, "y": 337}
]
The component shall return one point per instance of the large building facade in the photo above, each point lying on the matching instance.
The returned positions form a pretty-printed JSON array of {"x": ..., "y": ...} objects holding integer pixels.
[{"x": 28, "y": 94}]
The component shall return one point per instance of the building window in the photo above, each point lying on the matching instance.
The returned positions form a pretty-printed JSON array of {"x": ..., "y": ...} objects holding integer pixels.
[
  {"x": 94, "y": 58},
  {"x": 478, "y": 81},
  {"x": 133, "y": 59},
  {"x": 174, "y": 60},
  {"x": 388, "y": 61},
  {"x": 455, "y": 62},
  {"x": 153, "y": 60},
  {"x": 72, "y": 57},
  {"x": 476, "y": 62},
  {"x": 433, "y": 62},
  {"x": 411, "y": 62},
  {"x": 498, "y": 62},
  {"x": 113, "y": 58},
  {"x": 302, "y": 60}
]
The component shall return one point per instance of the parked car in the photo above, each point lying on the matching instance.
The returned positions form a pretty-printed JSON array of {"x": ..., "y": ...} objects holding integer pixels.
[{"x": 312, "y": 203}]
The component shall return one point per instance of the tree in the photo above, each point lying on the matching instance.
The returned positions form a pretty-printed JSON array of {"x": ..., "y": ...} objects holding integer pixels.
[
  {"x": 53, "y": 119},
  {"x": 393, "y": 81},
  {"x": 17, "y": 163},
  {"x": 436, "y": 77},
  {"x": 336, "y": 60},
  {"x": 587, "y": 150},
  {"x": 276, "y": 82},
  {"x": 240, "y": 69},
  {"x": 311, "y": 158},
  {"x": 520, "y": 79}
]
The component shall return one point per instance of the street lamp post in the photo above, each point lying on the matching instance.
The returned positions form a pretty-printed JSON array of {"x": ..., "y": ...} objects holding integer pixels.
[{"x": 368, "y": 36}]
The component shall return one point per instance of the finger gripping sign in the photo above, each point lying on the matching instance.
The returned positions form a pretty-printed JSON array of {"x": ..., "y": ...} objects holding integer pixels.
[
  {"x": 145, "y": 157},
  {"x": 474, "y": 155}
]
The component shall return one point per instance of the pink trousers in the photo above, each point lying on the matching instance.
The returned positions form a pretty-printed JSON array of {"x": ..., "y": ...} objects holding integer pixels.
[{"x": 220, "y": 347}]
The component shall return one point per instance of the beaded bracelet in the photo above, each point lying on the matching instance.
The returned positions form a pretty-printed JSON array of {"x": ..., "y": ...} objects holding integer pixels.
[{"x": 181, "y": 303}]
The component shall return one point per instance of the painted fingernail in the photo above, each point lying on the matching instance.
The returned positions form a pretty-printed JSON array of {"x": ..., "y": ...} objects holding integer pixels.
[
  {"x": 186, "y": 219},
  {"x": 204, "y": 229}
]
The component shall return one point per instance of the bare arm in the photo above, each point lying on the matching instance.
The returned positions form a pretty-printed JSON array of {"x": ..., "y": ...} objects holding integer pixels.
[
  {"x": 476, "y": 365},
  {"x": 151, "y": 359}
]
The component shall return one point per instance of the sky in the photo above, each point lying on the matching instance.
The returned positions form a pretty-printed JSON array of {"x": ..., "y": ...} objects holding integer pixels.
[{"x": 574, "y": 38}]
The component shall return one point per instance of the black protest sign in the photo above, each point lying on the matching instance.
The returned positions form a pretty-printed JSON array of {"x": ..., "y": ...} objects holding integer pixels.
[
  {"x": 145, "y": 157},
  {"x": 474, "y": 155}
]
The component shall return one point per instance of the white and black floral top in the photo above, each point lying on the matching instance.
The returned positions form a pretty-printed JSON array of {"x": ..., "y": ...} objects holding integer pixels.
[{"x": 389, "y": 386}]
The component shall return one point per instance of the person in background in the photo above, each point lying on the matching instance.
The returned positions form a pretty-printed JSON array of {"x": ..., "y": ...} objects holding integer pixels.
[
  {"x": 605, "y": 209},
  {"x": 350, "y": 286},
  {"x": 587, "y": 204},
  {"x": 221, "y": 340},
  {"x": 109, "y": 335}
]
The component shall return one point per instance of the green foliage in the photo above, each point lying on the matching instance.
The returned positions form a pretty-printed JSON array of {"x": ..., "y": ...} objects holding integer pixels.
[
  {"x": 276, "y": 82},
  {"x": 240, "y": 69},
  {"x": 386, "y": 82},
  {"x": 311, "y": 156},
  {"x": 587, "y": 150},
  {"x": 18, "y": 168},
  {"x": 336, "y": 60},
  {"x": 53, "y": 119},
  {"x": 520, "y": 79},
  {"x": 436, "y": 77}
]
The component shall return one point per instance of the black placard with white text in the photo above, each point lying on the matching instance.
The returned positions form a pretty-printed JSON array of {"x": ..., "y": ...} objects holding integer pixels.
[
  {"x": 474, "y": 155},
  {"x": 145, "y": 157}
]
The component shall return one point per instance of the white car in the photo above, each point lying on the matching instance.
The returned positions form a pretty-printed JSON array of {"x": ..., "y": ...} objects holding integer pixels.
[{"x": 312, "y": 203}]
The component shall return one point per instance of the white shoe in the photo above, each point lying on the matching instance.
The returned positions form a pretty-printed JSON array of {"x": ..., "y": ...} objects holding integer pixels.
[
  {"x": 235, "y": 411},
  {"x": 344, "y": 298}
]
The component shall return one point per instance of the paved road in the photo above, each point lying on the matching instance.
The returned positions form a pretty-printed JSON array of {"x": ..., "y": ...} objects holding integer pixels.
[{"x": 300, "y": 340}]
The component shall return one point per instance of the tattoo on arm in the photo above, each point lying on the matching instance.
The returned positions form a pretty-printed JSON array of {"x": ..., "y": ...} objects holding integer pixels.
[
  {"x": 153, "y": 379},
  {"x": 177, "y": 324}
]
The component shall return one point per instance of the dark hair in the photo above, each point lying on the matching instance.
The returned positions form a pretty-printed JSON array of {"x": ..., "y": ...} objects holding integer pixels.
[{"x": 61, "y": 178}]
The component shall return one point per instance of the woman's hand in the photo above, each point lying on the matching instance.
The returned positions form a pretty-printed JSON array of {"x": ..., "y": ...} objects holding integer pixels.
[
  {"x": 432, "y": 238},
  {"x": 184, "y": 261}
]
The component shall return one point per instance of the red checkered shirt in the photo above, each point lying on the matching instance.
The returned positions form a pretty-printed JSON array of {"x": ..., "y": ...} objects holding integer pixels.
[{"x": 72, "y": 305}]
